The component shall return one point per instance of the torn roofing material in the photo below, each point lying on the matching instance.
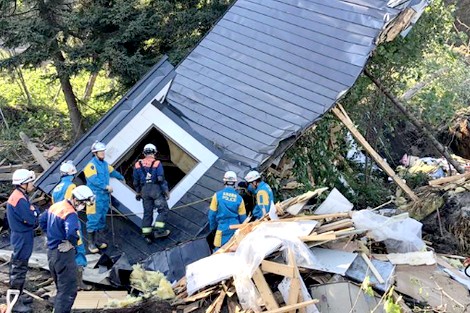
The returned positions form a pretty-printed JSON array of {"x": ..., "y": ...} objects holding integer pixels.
[{"x": 271, "y": 68}]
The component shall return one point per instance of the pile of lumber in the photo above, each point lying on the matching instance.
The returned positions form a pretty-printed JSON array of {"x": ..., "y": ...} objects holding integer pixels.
[
  {"x": 329, "y": 227},
  {"x": 349, "y": 259}
]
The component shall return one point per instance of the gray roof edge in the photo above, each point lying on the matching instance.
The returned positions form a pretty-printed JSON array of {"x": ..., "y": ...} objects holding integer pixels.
[{"x": 109, "y": 116}]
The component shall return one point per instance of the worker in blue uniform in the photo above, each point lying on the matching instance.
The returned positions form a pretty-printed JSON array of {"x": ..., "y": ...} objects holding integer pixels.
[
  {"x": 227, "y": 208},
  {"x": 22, "y": 219},
  {"x": 61, "y": 224},
  {"x": 151, "y": 187},
  {"x": 98, "y": 173},
  {"x": 64, "y": 191},
  {"x": 263, "y": 193}
]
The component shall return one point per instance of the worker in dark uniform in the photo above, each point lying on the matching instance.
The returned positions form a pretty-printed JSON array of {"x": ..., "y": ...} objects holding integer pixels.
[
  {"x": 64, "y": 191},
  {"x": 23, "y": 219},
  {"x": 227, "y": 208},
  {"x": 61, "y": 224},
  {"x": 152, "y": 188}
]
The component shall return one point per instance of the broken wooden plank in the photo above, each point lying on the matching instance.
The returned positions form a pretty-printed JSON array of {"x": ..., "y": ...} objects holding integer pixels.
[
  {"x": 264, "y": 290},
  {"x": 294, "y": 290},
  {"x": 217, "y": 304},
  {"x": 35, "y": 151},
  {"x": 346, "y": 223},
  {"x": 200, "y": 295},
  {"x": 342, "y": 116},
  {"x": 445, "y": 180},
  {"x": 373, "y": 269},
  {"x": 320, "y": 237},
  {"x": 293, "y": 307},
  {"x": 277, "y": 268}
]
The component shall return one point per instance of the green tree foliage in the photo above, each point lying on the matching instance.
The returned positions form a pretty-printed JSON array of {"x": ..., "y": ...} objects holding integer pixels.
[{"x": 125, "y": 38}]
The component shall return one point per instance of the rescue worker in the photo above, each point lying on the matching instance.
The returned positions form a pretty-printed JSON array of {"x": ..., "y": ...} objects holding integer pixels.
[
  {"x": 23, "y": 219},
  {"x": 61, "y": 225},
  {"x": 64, "y": 191},
  {"x": 227, "y": 208},
  {"x": 151, "y": 187},
  {"x": 263, "y": 193},
  {"x": 97, "y": 173}
]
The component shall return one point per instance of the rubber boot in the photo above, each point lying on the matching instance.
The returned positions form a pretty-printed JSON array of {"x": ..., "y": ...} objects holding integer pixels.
[
  {"x": 26, "y": 299},
  {"x": 160, "y": 233},
  {"x": 80, "y": 284},
  {"x": 91, "y": 243},
  {"x": 21, "y": 307},
  {"x": 100, "y": 243}
]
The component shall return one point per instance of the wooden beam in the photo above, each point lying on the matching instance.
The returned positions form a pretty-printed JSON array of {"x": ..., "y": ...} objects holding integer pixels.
[
  {"x": 35, "y": 151},
  {"x": 277, "y": 268},
  {"x": 294, "y": 288},
  {"x": 320, "y": 237},
  {"x": 293, "y": 307},
  {"x": 264, "y": 290},
  {"x": 416, "y": 122},
  {"x": 384, "y": 165},
  {"x": 445, "y": 180},
  {"x": 373, "y": 269}
]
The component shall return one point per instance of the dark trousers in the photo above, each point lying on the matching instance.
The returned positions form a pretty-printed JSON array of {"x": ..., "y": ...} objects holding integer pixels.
[
  {"x": 64, "y": 272},
  {"x": 153, "y": 198},
  {"x": 22, "y": 243}
]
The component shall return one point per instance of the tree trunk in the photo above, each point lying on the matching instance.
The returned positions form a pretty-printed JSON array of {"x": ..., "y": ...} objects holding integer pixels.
[
  {"x": 89, "y": 86},
  {"x": 416, "y": 122},
  {"x": 72, "y": 104}
]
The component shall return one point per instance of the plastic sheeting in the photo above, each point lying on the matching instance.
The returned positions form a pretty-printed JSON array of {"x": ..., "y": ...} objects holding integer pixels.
[{"x": 400, "y": 233}]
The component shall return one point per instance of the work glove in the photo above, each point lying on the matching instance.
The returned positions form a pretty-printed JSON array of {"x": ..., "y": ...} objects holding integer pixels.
[
  {"x": 109, "y": 189},
  {"x": 138, "y": 197},
  {"x": 65, "y": 246}
]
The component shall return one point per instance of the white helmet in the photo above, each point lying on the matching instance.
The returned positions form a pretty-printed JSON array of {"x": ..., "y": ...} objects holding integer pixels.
[
  {"x": 83, "y": 193},
  {"x": 22, "y": 176},
  {"x": 150, "y": 149},
  {"x": 67, "y": 168},
  {"x": 98, "y": 146},
  {"x": 230, "y": 177},
  {"x": 252, "y": 176}
]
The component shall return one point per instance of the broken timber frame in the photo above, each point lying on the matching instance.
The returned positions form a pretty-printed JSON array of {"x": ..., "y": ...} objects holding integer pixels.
[
  {"x": 344, "y": 118},
  {"x": 416, "y": 122}
]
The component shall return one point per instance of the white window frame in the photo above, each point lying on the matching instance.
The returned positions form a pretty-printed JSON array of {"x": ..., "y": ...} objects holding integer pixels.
[{"x": 137, "y": 128}]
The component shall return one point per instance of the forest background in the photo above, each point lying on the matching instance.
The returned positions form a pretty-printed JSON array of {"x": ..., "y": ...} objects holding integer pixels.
[{"x": 64, "y": 64}]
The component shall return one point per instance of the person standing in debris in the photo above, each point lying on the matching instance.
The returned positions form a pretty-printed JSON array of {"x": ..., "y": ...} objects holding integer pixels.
[
  {"x": 152, "y": 188},
  {"x": 98, "y": 173},
  {"x": 22, "y": 219},
  {"x": 227, "y": 208},
  {"x": 61, "y": 225},
  {"x": 262, "y": 191},
  {"x": 64, "y": 191}
]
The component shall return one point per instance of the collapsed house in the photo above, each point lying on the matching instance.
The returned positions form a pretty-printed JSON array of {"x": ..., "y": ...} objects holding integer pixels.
[{"x": 265, "y": 73}]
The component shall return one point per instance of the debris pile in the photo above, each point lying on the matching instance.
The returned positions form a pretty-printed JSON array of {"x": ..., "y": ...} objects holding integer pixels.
[{"x": 334, "y": 260}]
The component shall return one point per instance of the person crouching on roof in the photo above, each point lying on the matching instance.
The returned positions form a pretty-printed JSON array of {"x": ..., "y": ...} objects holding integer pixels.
[
  {"x": 151, "y": 187},
  {"x": 64, "y": 191},
  {"x": 227, "y": 208},
  {"x": 61, "y": 225}
]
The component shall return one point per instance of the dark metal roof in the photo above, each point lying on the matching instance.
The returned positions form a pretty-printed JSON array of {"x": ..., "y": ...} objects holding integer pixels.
[{"x": 271, "y": 68}]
